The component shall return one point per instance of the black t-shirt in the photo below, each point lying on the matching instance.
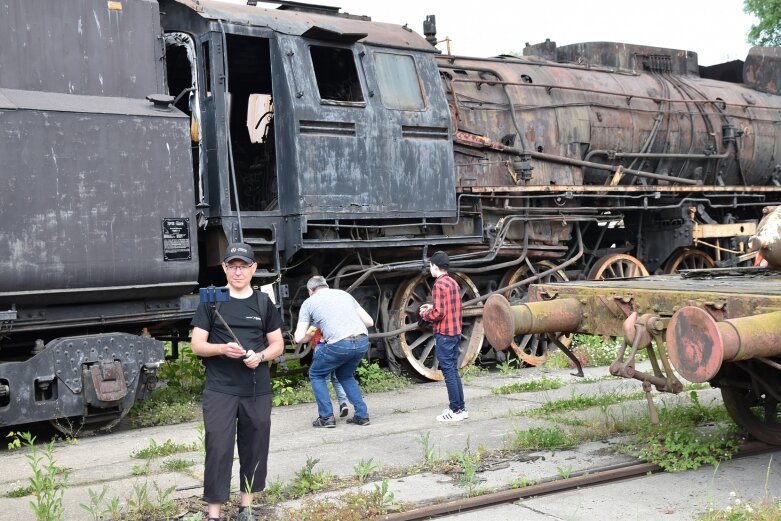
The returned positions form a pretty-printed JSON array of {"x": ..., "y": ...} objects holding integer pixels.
[{"x": 250, "y": 324}]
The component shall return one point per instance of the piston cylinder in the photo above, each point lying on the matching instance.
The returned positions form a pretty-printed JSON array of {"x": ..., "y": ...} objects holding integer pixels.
[{"x": 698, "y": 344}]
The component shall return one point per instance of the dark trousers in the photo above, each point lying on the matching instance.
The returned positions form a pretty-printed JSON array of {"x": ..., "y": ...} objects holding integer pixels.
[
  {"x": 223, "y": 416},
  {"x": 447, "y": 350}
]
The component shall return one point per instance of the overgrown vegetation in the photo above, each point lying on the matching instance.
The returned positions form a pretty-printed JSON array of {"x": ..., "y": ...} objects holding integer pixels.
[
  {"x": 591, "y": 351},
  {"x": 679, "y": 442},
  {"x": 178, "y": 398},
  {"x": 741, "y": 510},
  {"x": 540, "y": 384},
  {"x": 154, "y": 450},
  {"x": 543, "y": 438},
  {"x": 352, "y": 506}
]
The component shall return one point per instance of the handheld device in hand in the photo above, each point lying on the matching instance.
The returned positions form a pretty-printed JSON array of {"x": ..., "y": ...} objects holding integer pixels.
[{"x": 214, "y": 294}]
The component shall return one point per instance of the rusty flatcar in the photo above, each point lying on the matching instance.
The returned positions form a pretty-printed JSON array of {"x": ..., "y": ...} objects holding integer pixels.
[
  {"x": 140, "y": 136},
  {"x": 715, "y": 325}
]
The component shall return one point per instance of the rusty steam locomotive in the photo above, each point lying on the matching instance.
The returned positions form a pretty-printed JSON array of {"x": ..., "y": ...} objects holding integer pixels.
[{"x": 138, "y": 137}]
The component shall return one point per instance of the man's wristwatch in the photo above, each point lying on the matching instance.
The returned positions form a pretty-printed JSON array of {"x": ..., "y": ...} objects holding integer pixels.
[{"x": 262, "y": 357}]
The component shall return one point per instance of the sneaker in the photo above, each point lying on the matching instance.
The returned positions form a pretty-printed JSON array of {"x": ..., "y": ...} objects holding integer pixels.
[
  {"x": 343, "y": 410},
  {"x": 465, "y": 414},
  {"x": 328, "y": 422},
  {"x": 450, "y": 416},
  {"x": 357, "y": 420},
  {"x": 246, "y": 515}
]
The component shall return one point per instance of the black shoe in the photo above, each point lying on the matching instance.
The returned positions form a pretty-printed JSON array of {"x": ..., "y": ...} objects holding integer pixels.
[
  {"x": 328, "y": 422},
  {"x": 343, "y": 410},
  {"x": 357, "y": 420}
]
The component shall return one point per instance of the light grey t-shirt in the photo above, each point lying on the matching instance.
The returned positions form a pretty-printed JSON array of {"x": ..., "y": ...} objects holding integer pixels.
[{"x": 334, "y": 312}]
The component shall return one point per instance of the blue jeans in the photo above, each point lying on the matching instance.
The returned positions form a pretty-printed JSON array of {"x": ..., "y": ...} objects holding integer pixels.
[
  {"x": 341, "y": 396},
  {"x": 447, "y": 351},
  {"x": 341, "y": 358}
]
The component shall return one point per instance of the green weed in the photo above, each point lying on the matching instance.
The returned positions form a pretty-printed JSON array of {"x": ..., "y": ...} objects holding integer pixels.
[
  {"x": 541, "y": 438},
  {"x": 580, "y": 402},
  {"x": 141, "y": 505},
  {"x": 307, "y": 481},
  {"x": 678, "y": 443},
  {"x": 48, "y": 481},
  {"x": 469, "y": 463},
  {"x": 16, "y": 439},
  {"x": 177, "y": 465},
  {"x": 541, "y": 384},
  {"x": 509, "y": 366},
  {"x": 364, "y": 468},
  {"x": 353, "y": 506},
  {"x": 153, "y": 450},
  {"x": 429, "y": 455},
  {"x": 373, "y": 379},
  {"x": 142, "y": 470},
  {"x": 98, "y": 508}
]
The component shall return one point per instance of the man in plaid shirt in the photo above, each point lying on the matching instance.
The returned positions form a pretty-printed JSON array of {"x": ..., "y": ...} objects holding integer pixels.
[{"x": 445, "y": 313}]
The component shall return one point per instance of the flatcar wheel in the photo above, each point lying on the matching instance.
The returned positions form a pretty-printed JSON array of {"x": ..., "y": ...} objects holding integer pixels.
[
  {"x": 417, "y": 345},
  {"x": 532, "y": 349},
  {"x": 759, "y": 415},
  {"x": 688, "y": 259},
  {"x": 617, "y": 266}
]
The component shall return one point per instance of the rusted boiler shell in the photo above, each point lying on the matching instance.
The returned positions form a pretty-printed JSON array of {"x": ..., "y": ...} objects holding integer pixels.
[{"x": 669, "y": 123}]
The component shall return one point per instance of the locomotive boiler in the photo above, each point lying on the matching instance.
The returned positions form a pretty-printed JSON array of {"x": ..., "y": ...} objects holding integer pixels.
[{"x": 140, "y": 137}]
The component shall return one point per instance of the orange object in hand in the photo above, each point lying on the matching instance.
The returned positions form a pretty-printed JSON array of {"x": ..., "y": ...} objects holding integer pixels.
[{"x": 316, "y": 337}]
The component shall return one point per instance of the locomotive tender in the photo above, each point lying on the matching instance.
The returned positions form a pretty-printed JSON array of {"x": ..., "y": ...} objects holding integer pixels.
[{"x": 139, "y": 137}]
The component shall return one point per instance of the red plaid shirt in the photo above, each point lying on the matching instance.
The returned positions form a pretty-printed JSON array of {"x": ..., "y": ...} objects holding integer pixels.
[{"x": 446, "y": 310}]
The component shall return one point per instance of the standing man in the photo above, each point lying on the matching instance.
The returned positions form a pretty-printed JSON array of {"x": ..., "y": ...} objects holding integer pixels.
[
  {"x": 343, "y": 323},
  {"x": 237, "y": 395},
  {"x": 445, "y": 313}
]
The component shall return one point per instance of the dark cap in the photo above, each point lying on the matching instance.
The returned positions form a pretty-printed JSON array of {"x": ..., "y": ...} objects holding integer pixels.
[
  {"x": 239, "y": 250},
  {"x": 440, "y": 259}
]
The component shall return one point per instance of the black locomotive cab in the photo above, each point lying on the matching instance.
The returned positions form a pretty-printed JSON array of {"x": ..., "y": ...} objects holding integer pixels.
[{"x": 313, "y": 130}]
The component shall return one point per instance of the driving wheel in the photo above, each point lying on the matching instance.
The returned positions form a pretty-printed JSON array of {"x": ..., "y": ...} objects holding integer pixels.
[
  {"x": 532, "y": 349},
  {"x": 688, "y": 259},
  {"x": 617, "y": 266},
  {"x": 417, "y": 345}
]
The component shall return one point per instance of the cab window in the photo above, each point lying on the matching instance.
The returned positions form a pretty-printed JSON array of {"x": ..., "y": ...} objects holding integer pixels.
[
  {"x": 335, "y": 73},
  {"x": 398, "y": 80}
]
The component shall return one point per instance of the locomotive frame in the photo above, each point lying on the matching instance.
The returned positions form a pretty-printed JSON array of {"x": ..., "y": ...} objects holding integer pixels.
[{"x": 337, "y": 145}]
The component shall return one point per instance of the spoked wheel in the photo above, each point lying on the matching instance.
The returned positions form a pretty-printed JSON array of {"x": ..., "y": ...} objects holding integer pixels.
[
  {"x": 417, "y": 346},
  {"x": 688, "y": 259},
  {"x": 759, "y": 414},
  {"x": 532, "y": 349},
  {"x": 617, "y": 266}
]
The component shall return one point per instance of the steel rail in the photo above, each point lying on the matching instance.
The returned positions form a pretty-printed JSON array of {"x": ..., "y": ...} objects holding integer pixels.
[{"x": 584, "y": 478}]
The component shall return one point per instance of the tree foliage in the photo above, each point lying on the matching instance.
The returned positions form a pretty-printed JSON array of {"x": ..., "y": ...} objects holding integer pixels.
[{"x": 767, "y": 31}]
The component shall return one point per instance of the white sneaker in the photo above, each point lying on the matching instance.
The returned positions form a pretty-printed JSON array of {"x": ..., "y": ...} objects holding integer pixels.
[
  {"x": 450, "y": 416},
  {"x": 465, "y": 414}
]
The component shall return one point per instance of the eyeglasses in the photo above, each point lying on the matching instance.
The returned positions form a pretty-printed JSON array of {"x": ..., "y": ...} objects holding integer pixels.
[{"x": 241, "y": 268}]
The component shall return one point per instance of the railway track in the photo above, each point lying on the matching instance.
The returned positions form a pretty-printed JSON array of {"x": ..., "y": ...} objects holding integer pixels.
[{"x": 579, "y": 480}]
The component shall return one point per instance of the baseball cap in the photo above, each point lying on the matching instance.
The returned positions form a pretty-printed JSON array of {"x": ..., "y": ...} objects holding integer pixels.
[
  {"x": 440, "y": 259},
  {"x": 239, "y": 250}
]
